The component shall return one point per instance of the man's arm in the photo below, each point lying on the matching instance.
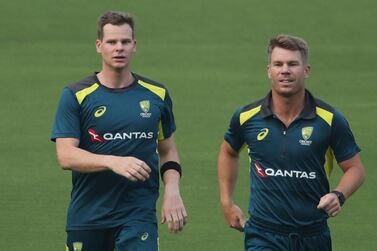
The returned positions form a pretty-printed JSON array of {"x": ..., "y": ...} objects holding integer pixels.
[
  {"x": 173, "y": 211},
  {"x": 350, "y": 181},
  {"x": 71, "y": 157},
  {"x": 228, "y": 165}
]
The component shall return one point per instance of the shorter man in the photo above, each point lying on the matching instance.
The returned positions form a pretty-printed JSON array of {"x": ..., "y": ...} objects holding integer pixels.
[{"x": 291, "y": 138}]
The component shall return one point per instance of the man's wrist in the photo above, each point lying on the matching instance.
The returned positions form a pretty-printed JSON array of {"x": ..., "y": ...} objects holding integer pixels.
[
  {"x": 171, "y": 165},
  {"x": 107, "y": 162},
  {"x": 340, "y": 197},
  {"x": 226, "y": 203}
]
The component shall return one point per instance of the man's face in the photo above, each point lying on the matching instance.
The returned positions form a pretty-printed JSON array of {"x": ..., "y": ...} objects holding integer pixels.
[
  {"x": 117, "y": 46},
  {"x": 287, "y": 72}
]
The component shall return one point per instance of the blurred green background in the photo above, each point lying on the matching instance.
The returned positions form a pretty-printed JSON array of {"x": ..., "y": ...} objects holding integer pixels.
[{"x": 212, "y": 57}]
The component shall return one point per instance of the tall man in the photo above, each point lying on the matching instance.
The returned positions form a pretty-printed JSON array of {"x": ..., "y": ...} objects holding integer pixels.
[
  {"x": 108, "y": 130},
  {"x": 291, "y": 138}
]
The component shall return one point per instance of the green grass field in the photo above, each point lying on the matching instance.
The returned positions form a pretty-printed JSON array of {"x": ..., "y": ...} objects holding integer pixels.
[{"x": 212, "y": 56}]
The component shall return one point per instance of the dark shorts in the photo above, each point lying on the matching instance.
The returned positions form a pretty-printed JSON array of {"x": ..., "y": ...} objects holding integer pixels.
[
  {"x": 260, "y": 235},
  {"x": 138, "y": 237}
]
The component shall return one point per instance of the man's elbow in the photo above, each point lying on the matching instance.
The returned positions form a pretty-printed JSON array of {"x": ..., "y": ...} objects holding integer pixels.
[
  {"x": 64, "y": 162},
  {"x": 226, "y": 149}
]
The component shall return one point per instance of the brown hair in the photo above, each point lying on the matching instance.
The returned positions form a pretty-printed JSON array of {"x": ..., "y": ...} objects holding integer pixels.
[
  {"x": 290, "y": 43},
  {"x": 115, "y": 18}
]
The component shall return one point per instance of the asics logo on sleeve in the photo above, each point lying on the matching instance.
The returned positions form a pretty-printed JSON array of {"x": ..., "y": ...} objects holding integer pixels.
[
  {"x": 100, "y": 111},
  {"x": 262, "y": 134}
]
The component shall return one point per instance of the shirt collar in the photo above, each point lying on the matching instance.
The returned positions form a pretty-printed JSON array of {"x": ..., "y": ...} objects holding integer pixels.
[{"x": 309, "y": 111}]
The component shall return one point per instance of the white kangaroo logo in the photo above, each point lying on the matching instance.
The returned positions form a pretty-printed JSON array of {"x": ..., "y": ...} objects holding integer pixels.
[{"x": 95, "y": 136}]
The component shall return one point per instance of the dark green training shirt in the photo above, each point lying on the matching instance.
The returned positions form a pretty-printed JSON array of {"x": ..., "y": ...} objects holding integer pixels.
[
  {"x": 121, "y": 122},
  {"x": 289, "y": 167}
]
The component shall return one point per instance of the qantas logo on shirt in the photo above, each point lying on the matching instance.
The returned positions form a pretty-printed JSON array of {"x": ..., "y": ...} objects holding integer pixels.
[
  {"x": 96, "y": 138},
  {"x": 260, "y": 171},
  {"x": 264, "y": 173}
]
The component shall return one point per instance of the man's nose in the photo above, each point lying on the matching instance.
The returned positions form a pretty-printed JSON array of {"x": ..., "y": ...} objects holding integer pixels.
[
  {"x": 119, "y": 46},
  {"x": 285, "y": 69}
]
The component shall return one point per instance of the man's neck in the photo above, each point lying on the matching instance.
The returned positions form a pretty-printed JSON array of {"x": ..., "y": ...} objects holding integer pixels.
[
  {"x": 287, "y": 109},
  {"x": 115, "y": 79}
]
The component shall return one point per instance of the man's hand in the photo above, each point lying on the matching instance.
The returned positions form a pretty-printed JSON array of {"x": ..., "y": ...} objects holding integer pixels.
[
  {"x": 234, "y": 216},
  {"x": 173, "y": 211},
  {"x": 330, "y": 204},
  {"x": 132, "y": 168}
]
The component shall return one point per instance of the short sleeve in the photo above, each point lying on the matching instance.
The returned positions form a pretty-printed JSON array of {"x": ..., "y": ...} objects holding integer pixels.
[
  {"x": 167, "y": 125},
  {"x": 67, "y": 118},
  {"x": 234, "y": 134},
  {"x": 342, "y": 140}
]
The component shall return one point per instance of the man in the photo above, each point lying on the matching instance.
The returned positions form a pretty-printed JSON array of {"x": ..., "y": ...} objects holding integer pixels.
[
  {"x": 108, "y": 129},
  {"x": 291, "y": 138}
]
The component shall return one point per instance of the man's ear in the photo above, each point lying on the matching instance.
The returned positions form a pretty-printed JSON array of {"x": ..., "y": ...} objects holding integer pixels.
[
  {"x": 98, "y": 46},
  {"x": 307, "y": 71}
]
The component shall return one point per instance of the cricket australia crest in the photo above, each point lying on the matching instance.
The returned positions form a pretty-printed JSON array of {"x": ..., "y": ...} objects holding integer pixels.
[
  {"x": 145, "y": 106},
  {"x": 306, "y": 133}
]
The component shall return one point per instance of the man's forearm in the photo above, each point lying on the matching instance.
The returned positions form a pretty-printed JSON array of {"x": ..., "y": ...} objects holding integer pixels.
[
  {"x": 351, "y": 181},
  {"x": 76, "y": 159},
  {"x": 227, "y": 174},
  {"x": 353, "y": 176}
]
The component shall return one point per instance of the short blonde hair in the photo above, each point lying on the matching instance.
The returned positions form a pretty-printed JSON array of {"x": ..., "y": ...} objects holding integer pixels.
[{"x": 290, "y": 43}]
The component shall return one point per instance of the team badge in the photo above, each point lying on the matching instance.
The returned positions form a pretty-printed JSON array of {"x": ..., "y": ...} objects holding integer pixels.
[
  {"x": 145, "y": 236},
  {"x": 145, "y": 106},
  {"x": 306, "y": 133},
  {"x": 100, "y": 111},
  {"x": 77, "y": 246},
  {"x": 262, "y": 134}
]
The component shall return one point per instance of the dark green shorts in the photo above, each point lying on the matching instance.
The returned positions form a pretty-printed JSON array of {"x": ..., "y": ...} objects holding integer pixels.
[
  {"x": 138, "y": 237},
  {"x": 264, "y": 236}
]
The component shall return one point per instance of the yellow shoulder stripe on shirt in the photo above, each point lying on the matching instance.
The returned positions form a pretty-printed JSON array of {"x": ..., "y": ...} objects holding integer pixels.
[
  {"x": 155, "y": 89},
  {"x": 80, "y": 95},
  {"x": 244, "y": 116},
  {"x": 325, "y": 115}
]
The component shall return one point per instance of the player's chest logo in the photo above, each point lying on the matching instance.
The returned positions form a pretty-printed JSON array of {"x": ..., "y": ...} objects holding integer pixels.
[
  {"x": 262, "y": 134},
  {"x": 100, "y": 111},
  {"x": 306, "y": 133},
  {"x": 145, "y": 107}
]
